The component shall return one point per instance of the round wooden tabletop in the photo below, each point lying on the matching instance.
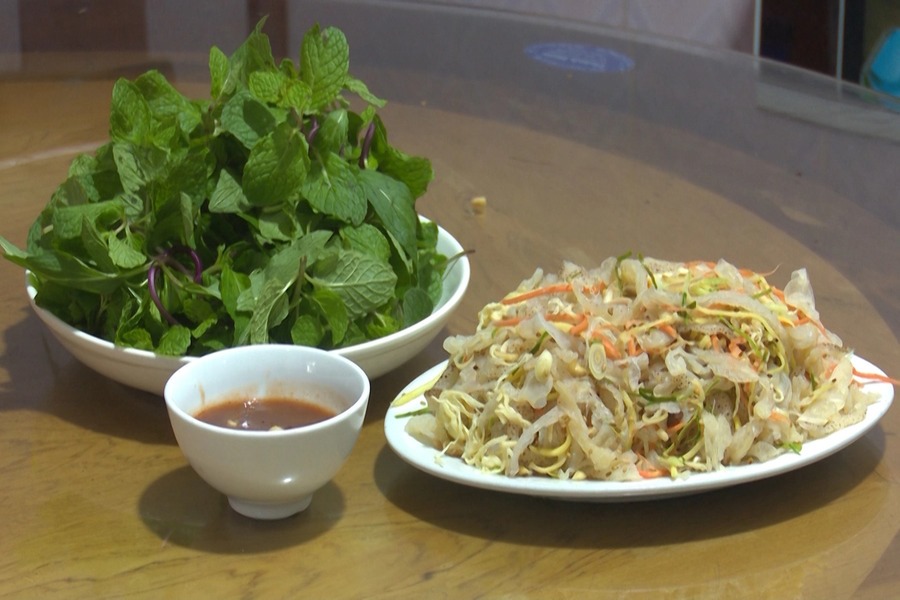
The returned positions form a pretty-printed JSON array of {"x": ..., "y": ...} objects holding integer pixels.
[{"x": 584, "y": 143}]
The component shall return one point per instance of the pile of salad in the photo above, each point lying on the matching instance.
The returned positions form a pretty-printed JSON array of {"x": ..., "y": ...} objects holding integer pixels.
[
  {"x": 641, "y": 368},
  {"x": 270, "y": 212}
]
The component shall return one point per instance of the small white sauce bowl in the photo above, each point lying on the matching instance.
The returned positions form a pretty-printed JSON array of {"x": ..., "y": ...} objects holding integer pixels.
[{"x": 268, "y": 474}]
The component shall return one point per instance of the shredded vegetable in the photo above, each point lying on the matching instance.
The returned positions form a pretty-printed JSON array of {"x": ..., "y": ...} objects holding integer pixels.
[{"x": 641, "y": 368}]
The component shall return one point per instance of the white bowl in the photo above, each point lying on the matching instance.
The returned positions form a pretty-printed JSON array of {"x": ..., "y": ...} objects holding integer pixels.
[
  {"x": 149, "y": 371},
  {"x": 268, "y": 474}
]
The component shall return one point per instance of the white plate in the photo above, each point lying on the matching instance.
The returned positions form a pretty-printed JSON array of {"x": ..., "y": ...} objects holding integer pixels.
[
  {"x": 453, "y": 469},
  {"x": 149, "y": 372}
]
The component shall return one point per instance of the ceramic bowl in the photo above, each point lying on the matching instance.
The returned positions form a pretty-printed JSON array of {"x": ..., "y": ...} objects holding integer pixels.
[
  {"x": 269, "y": 474},
  {"x": 149, "y": 371}
]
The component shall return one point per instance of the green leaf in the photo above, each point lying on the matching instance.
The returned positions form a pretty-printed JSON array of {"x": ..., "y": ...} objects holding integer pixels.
[
  {"x": 295, "y": 94},
  {"x": 324, "y": 63},
  {"x": 136, "y": 338},
  {"x": 67, "y": 221},
  {"x": 394, "y": 205},
  {"x": 266, "y": 85},
  {"x": 277, "y": 167},
  {"x": 333, "y": 132},
  {"x": 231, "y": 285},
  {"x": 129, "y": 119},
  {"x": 272, "y": 292},
  {"x": 123, "y": 254},
  {"x": 175, "y": 341},
  {"x": 255, "y": 54},
  {"x": 247, "y": 118},
  {"x": 414, "y": 171},
  {"x": 360, "y": 89},
  {"x": 367, "y": 239},
  {"x": 96, "y": 247},
  {"x": 277, "y": 226},
  {"x": 334, "y": 311},
  {"x": 361, "y": 281},
  {"x": 218, "y": 71},
  {"x": 13, "y": 252},
  {"x": 166, "y": 103},
  {"x": 130, "y": 175},
  {"x": 228, "y": 196},
  {"x": 307, "y": 331},
  {"x": 333, "y": 190},
  {"x": 416, "y": 306}
]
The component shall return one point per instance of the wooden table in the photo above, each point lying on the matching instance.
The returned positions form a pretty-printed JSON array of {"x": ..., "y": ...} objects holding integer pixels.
[{"x": 687, "y": 154}]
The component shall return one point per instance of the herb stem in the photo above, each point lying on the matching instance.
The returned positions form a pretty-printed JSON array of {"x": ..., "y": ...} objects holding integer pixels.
[{"x": 366, "y": 145}]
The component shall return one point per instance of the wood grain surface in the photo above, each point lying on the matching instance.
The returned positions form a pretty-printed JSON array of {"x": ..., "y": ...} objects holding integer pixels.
[{"x": 97, "y": 500}]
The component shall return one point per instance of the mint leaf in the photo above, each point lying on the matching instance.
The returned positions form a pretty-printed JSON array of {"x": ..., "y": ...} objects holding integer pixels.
[
  {"x": 414, "y": 171},
  {"x": 175, "y": 341},
  {"x": 255, "y": 54},
  {"x": 136, "y": 338},
  {"x": 247, "y": 118},
  {"x": 367, "y": 239},
  {"x": 333, "y": 190},
  {"x": 307, "y": 331},
  {"x": 228, "y": 196},
  {"x": 333, "y": 132},
  {"x": 276, "y": 167},
  {"x": 334, "y": 311},
  {"x": 123, "y": 254},
  {"x": 359, "y": 88},
  {"x": 129, "y": 120},
  {"x": 218, "y": 71},
  {"x": 272, "y": 291},
  {"x": 394, "y": 205},
  {"x": 362, "y": 282},
  {"x": 416, "y": 306},
  {"x": 266, "y": 85},
  {"x": 324, "y": 63}
]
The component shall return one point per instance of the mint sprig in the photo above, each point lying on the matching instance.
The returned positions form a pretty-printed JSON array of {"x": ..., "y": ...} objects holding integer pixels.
[{"x": 296, "y": 212}]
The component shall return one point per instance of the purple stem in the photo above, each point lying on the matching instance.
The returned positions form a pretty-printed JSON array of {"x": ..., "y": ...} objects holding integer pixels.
[
  {"x": 313, "y": 130},
  {"x": 151, "y": 285},
  {"x": 195, "y": 258},
  {"x": 165, "y": 257},
  {"x": 367, "y": 143}
]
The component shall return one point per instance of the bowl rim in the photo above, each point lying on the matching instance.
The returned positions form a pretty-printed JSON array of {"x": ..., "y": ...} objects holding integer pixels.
[
  {"x": 134, "y": 355},
  {"x": 347, "y": 413}
]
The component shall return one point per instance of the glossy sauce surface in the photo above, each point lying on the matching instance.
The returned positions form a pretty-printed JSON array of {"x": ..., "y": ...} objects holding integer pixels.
[{"x": 264, "y": 414}]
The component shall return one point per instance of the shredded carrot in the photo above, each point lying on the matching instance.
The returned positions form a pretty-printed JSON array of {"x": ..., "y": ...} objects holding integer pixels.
[
  {"x": 876, "y": 377},
  {"x": 676, "y": 427},
  {"x": 597, "y": 288},
  {"x": 565, "y": 317},
  {"x": 632, "y": 347},
  {"x": 557, "y": 288},
  {"x": 652, "y": 473},
  {"x": 669, "y": 330},
  {"x": 611, "y": 351},
  {"x": 717, "y": 346},
  {"x": 580, "y": 326},
  {"x": 778, "y": 416},
  {"x": 806, "y": 319},
  {"x": 508, "y": 322}
]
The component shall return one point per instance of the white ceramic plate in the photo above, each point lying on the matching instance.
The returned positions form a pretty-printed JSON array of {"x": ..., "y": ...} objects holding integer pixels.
[
  {"x": 453, "y": 469},
  {"x": 148, "y": 371}
]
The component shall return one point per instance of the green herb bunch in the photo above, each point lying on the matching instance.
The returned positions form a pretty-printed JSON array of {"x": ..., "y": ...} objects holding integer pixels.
[{"x": 270, "y": 213}]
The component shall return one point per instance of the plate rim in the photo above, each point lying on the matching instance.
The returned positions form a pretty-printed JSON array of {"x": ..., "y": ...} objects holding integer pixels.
[{"x": 431, "y": 461}]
